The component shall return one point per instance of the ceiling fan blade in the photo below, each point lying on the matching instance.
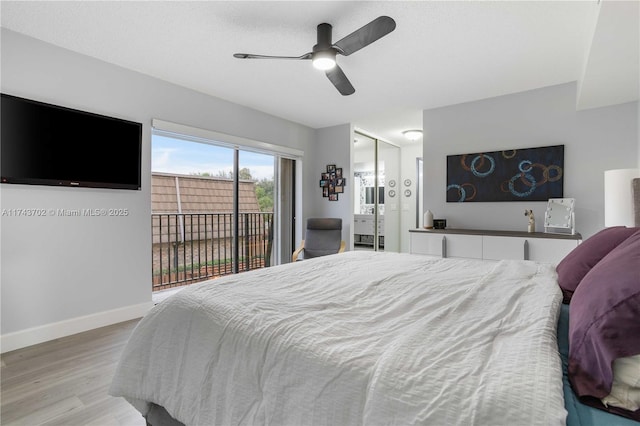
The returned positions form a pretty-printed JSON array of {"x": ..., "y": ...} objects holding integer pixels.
[
  {"x": 366, "y": 35},
  {"x": 252, "y": 56},
  {"x": 340, "y": 80}
]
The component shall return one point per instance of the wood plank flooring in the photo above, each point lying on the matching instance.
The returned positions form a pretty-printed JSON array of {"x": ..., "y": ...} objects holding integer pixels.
[{"x": 65, "y": 381}]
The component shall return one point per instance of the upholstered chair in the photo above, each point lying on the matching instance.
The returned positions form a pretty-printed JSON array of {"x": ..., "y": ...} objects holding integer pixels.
[{"x": 323, "y": 236}]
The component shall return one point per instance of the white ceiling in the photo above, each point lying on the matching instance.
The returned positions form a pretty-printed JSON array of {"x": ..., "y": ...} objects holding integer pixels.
[{"x": 441, "y": 52}]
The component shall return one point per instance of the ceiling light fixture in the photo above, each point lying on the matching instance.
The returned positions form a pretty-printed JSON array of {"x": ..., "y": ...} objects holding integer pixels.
[
  {"x": 412, "y": 135},
  {"x": 324, "y": 59}
]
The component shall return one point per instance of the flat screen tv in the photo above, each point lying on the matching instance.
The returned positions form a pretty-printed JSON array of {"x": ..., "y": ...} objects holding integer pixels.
[{"x": 44, "y": 144}]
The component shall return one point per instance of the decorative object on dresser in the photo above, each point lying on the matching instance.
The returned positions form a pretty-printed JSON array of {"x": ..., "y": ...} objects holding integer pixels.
[
  {"x": 332, "y": 182},
  {"x": 559, "y": 218},
  {"x": 439, "y": 223},
  {"x": 530, "y": 174},
  {"x": 427, "y": 221},
  {"x": 532, "y": 221}
]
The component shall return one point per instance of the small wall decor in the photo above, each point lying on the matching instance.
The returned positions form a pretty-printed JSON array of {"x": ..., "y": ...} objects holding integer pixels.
[
  {"x": 530, "y": 174},
  {"x": 332, "y": 182}
]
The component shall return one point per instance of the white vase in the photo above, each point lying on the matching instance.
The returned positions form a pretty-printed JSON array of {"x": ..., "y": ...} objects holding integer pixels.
[{"x": 427, "y": 221}]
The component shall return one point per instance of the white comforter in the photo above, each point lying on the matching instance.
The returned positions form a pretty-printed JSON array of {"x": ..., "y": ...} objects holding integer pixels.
[{"x": 357, "y": 338}]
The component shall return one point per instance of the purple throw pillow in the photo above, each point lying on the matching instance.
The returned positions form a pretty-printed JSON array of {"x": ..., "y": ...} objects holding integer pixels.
[
  {"x": 604, "y": 321},
  {"x": 581, "y": 259}
]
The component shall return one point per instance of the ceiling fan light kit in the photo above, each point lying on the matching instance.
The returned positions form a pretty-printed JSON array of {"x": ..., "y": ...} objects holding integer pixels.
[
  {"x": 324, "y": 60},
  {"x": 323, "y": 54}
]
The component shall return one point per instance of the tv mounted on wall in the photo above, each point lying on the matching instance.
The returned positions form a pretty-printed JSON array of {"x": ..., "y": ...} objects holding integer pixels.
[{"x": 44, "y": 144}]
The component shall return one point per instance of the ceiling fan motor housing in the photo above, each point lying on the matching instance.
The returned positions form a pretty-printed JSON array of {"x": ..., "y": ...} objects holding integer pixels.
[{"x": 324, "y": 37}]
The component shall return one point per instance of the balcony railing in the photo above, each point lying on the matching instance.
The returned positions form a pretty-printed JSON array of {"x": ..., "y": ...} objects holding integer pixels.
[{"x": 193, "y": 247}]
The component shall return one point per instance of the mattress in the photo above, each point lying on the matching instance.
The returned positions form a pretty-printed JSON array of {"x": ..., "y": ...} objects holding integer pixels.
[{"x": 357, "y": 338}]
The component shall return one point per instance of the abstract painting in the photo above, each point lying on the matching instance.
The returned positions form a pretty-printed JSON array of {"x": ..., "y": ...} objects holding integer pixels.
[{"x": 530, "y": 174}]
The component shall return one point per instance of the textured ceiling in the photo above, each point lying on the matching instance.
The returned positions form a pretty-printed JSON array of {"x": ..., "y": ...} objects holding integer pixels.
[{"x": 441, "y": 53}]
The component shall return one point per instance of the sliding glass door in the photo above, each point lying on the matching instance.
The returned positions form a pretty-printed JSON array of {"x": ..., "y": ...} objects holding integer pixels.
[{"x": 214, "y": 208}]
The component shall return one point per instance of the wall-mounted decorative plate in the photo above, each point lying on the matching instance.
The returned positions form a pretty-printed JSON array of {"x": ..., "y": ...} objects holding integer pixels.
[
  {"x": 392, "y": 183},
  {"x": 407, "y": 193},
  {"x": 392, "y": 193},
  {"x": 407, "y": 182}
]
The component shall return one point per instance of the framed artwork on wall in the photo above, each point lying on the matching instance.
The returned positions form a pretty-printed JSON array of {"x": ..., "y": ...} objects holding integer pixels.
[
  {"x": 530, "y": 174},
  {"x": 332, "y": 182}
]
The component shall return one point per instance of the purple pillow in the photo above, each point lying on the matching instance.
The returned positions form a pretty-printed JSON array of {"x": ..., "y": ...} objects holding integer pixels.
[
  {"x": 581, "y": 259},
  {"x": 604, "y": 321}
]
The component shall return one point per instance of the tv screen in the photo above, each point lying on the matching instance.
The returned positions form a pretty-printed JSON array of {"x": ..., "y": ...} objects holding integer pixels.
[{"x": 44, "y": 144}]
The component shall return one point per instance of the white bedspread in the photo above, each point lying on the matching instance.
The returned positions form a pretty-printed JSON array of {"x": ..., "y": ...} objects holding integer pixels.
[{"x": 357, "y": 338}]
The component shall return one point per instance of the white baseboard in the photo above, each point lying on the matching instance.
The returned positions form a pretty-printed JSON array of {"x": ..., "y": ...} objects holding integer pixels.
[{"x": 31, "y": 336}]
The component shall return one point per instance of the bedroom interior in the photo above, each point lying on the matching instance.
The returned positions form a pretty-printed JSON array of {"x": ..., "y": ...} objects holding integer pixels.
[{"x": 485, "y": 79}]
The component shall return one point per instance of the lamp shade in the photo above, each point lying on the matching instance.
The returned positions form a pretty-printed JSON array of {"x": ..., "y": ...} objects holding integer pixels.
[{"x": 618, "y": 197}]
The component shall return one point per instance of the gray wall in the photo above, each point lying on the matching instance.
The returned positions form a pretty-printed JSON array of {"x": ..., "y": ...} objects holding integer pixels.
[
  {"x": 60, "y": 268},
  {"x": 595, "y": 140},
  {"x": 409, "y": 155},
  {"x": 332, "y": 145}
]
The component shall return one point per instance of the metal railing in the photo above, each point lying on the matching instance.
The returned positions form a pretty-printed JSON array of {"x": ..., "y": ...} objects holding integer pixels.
[{"x": 193, "y": 247}]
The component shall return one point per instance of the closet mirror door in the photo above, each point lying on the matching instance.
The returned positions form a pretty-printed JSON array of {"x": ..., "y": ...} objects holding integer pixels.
[
  {"x": 376, "y": 186},
  {"x": 365, "y": 194},
  {"x": 396, "y": 195}
]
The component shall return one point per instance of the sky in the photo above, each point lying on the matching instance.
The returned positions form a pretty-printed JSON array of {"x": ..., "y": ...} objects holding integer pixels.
[{"x": 178, "y": 156}]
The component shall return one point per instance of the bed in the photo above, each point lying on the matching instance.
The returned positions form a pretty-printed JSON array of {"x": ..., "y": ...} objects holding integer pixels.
[{"x": 357, "y": 338}]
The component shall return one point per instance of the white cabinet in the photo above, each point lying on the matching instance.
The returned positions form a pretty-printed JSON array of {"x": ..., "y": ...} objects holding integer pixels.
[
  {"x": 363, "y": 229},
  {"x": 549, "y": 249},
  {"x": 492, "y": 245},
  {"x": 456, "y": 245},
  {"x": 497, "y": 248},
  {"x": 362, "y": 226},
  {"x": 431, "y": 244}
]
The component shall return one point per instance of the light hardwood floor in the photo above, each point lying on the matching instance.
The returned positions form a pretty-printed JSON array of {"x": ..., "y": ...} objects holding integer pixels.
[{"x": 65, "y": 381}]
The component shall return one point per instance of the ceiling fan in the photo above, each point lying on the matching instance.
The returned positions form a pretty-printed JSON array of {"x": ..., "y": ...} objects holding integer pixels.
[{"x": 323, "y": 54}]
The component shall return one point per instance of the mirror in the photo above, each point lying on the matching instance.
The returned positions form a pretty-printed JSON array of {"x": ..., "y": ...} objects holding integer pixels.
[
  {"x": 560, "y": 216},
  {"x": 369, "y": 195}
]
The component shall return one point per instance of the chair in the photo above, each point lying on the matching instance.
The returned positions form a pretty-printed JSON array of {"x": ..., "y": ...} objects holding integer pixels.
[{"x": 323, "y": 236}]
